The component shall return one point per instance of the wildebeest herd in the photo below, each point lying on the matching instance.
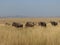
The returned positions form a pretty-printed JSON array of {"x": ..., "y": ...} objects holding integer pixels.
[{"x": 32, "y": 24}]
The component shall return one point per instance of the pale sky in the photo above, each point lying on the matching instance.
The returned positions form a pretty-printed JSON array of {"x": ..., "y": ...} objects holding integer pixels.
[{"x": 30, "y": 7}]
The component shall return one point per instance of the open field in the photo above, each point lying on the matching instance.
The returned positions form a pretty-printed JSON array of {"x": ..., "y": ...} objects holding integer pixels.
[{"x": 36, "y": 35}]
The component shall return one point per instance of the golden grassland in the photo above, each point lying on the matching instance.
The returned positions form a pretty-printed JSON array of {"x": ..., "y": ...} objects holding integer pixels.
[{"x": 36, "y": 35}]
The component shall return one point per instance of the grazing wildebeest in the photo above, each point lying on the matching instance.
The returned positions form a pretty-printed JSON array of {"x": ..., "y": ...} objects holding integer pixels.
[
  {"x": 17, "y": 24},
  {"x": 29, "y": 24},
  {"x": 7, "y": 23},
  {"x": 54, "y": 23},
  {"x": 42, "y": 24}
]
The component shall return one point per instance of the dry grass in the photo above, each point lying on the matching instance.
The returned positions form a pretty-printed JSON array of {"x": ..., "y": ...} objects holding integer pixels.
[{"x": 29, "y": 36}]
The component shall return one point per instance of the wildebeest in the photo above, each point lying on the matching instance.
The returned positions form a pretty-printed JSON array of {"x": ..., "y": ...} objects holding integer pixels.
[
  {"x": 7, "y": 23},
  {"x": 17, "y": 24},
  {"x": 42, "y": 24},
  {"x": 54, "y": 23},
  {"x": 29, "y": 24}
]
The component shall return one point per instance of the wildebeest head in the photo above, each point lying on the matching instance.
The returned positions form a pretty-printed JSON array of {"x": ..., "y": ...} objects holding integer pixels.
[
  {"x": 17, "y": 24},
  {"x": 42, "y": 24},
  {"x": 29, "y": 24},
  {"x": 54, "y": 23}
]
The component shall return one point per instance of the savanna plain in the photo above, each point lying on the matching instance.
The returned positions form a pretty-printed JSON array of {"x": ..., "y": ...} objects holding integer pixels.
[{"x": 37, "y": 35}]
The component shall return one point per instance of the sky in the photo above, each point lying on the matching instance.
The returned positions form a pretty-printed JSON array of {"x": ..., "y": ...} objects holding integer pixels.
[{"x": 30, "y": 8}]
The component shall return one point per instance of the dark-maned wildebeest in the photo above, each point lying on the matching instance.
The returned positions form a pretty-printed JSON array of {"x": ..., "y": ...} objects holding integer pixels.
[
  {"x": 54, "y": 23},
  {"x": 29, "y": 24},
  {"x": 42, "y": 24},
  {"x": 17, "y": 24}
]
